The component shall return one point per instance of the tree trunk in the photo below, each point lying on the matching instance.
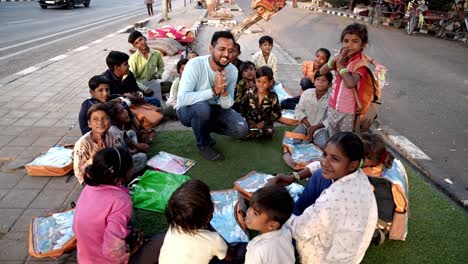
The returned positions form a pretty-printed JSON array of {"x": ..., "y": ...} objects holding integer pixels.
[
  {"x": 164, "y": 10},
  {"x": 352, "y": 5},
  {"x": 245, "y": 24}
]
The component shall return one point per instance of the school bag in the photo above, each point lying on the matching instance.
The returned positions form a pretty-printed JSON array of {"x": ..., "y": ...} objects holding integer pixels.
[
  {"x": 288, "y": 118},
  {"x": 302, "y": 152},
  {"x": 369, "y": 94},
  {"x": 57, "y": 161},
  {"x": 52, "y": 235},
  {"x": 391, "y": 194}
]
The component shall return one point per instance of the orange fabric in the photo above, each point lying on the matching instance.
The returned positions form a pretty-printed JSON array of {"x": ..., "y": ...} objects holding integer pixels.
[
  {"x": 373, "y": 171},
  {"x": 401, "y": 203},
  {"x": 288, "y": 121},
  {"x": 147, "y": 115},
  {"x": 366, "y": 89},
  {"x": 308, "y": 70},
  {"x": 48, "y": 170}
]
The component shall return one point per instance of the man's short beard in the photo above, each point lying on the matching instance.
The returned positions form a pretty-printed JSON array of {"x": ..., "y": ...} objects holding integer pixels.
[{"x": 219, "y": 64}]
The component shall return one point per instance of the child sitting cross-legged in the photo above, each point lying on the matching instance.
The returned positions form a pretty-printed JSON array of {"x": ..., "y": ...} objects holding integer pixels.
[
  {"x": 190, "y": 237},
  {"x": 270, "y": 208},
  {"x": 260, "y": 106},
  {"x": 311, "y": 110}
]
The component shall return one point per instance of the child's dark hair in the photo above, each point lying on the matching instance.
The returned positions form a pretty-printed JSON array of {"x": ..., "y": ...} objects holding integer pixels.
[
  {"x": 328, "y": 75},
  {"x": 356, "y": 29},
  {"x": 350, "y": 144},
  {"x": 326, "y": 51},
  {"x": 275, "y": 201},
  {"x": 237, "y": 47},
  {"x": 221, "y": 34},
  {"x": 112, "y": 107},
  {"x": 190, "y": 207},
  {"x": 264, "y": 39},
  {"x": 264, "y": 71},
  {"x": 110, "y": 167},
  {"x": 245, "y": 65},
  {"x": 116, "y": 58},
  {"x": 194, "y": 52},
  {"x": 97, "y": 80},
  {"x": 97, "y": 107},
  {"x": 133, "y": 36},
  {"x": 180, "y": 63},
  {"x": 375, "y": 149}
]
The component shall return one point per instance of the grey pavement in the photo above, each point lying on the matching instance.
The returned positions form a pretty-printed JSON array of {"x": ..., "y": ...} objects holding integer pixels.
[{"x": 39, "y": 108}]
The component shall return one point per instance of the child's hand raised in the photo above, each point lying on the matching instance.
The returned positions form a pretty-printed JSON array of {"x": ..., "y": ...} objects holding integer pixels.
[{"x": 341, "y": 58}]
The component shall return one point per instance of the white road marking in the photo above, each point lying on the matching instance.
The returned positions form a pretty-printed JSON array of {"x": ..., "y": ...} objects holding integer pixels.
[
  {"x": 408, "y": 146},
  {"x": 50, "y": 42},
  {"x": 59, "y": 57},
  {"x": 20, "y": 21},
  {"x": 28, "y": 70},
  {"x": 110, "y": 35},
  {"x": 97, "y": 41},
  {"x": 69, "y": 30},
  {"x": 81, "y": 48}
]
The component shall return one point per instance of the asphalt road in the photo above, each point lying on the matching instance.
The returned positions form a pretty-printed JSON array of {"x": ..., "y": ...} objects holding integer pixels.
[
  {"x": 426, "y": 99},
  {"x": 29, "y": 34}
]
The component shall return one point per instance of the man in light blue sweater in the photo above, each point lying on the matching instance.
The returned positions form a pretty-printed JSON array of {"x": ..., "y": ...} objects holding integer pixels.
[{"x": 206, "y": 94}]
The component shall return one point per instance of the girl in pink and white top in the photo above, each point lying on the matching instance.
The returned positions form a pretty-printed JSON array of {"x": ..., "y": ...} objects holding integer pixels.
[
  {"x": 351, "y": 74},
  {"x": 103, "y": 211}
]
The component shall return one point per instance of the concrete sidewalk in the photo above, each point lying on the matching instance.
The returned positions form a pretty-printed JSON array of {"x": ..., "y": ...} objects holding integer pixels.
[{"x": 39, "y": 108}]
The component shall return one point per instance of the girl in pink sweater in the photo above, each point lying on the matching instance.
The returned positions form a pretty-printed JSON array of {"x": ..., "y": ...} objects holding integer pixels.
[{"x": 103, "y": 211}]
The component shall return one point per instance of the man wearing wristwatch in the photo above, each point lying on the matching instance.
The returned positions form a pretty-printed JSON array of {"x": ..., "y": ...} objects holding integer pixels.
[{"x": 206, "y": 95}]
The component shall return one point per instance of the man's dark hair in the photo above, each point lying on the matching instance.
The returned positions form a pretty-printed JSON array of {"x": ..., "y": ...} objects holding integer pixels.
[
  {"x": 264, "y": 71},
  {"x": 190, "y": 207},
  {"x": 97, "y": 80},
  {"x": 133, "y": 36},
  {"x": 221, "y": 34},
  {"x": 116, "y": 58},
  {"x": 180, "y": 63},
  {"x": 97, "y": 107},
  {"x": 328, "y": 75},
  {"x": 264, "y": 39},
  {"x": 274, "y": 201},
  {"x": 245, "y": 65}
]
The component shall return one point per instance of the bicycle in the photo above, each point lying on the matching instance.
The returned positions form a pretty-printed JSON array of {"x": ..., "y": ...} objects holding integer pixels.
[{"x": 375, "y": 11}]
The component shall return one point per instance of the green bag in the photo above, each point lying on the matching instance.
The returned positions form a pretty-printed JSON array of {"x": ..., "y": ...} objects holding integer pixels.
[{"x": 152, "y": 190}]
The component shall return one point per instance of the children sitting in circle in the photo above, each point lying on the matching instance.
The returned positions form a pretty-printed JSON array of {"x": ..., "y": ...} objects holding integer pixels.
[
  {"x": 309, "y": 68},
  {"x": 247, "y": 69},
  {"x": 190, "y": 237},
  {"x": 264, "y": 57},
  {"x": 260, "y": 106},
  {"x": 270, "y": 207}
]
